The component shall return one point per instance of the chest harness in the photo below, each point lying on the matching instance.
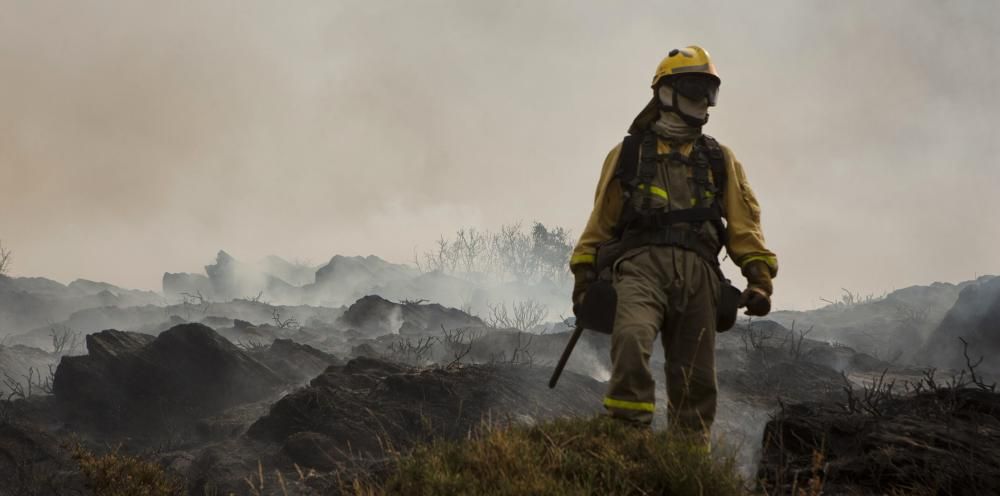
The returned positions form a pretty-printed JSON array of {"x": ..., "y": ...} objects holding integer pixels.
[{"x": 640, "y": 224}]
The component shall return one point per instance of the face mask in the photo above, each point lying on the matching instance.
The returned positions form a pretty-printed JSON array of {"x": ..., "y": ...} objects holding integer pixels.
[
  {"x": 689, "y": 97},
  {"x": 694, "y": 112}
]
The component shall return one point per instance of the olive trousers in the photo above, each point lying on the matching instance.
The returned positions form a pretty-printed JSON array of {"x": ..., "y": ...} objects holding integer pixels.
[{"x": 672, "y": 292}]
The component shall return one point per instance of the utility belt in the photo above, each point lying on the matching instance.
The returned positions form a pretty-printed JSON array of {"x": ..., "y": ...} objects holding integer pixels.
[
  {"x": 687, "y": 239},
  {"x": 601, "y": 307}
]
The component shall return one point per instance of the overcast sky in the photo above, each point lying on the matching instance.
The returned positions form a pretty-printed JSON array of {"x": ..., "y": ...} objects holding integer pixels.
[{"x": 141, "y": 137}]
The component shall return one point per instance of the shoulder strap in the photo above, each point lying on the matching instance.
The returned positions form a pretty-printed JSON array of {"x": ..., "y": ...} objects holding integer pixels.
[
  {"x": 628, "y": 159},
  {"x": 717, "y": 161}
]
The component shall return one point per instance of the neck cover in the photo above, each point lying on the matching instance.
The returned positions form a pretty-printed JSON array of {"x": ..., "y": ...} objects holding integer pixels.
[
  {"x": 692, "y": 112},
  {"x": 672, "y": 127}
]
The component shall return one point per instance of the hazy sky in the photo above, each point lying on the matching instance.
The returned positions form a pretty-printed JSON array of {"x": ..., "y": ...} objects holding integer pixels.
[{"x": 141, "y": 137}]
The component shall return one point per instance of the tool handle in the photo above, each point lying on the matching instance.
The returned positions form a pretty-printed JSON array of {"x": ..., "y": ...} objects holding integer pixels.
[{"x": 565, "y": 356}]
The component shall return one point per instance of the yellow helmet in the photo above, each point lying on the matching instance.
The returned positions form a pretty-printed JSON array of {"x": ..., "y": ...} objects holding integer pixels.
[
  {"x": 692, "y": 59},
  {"x": 689, "y": 60}
]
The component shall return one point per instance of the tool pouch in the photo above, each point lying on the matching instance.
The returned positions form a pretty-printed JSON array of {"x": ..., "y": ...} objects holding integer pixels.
[
  {"x": 728, "y": 307},
  {"x": 597, "y": 311}
]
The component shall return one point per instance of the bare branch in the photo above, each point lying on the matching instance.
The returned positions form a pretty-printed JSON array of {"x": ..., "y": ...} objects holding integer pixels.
[
  {"x": 64, "y": 340},
  {"x": 6, "y": 259},
  {"x": 976, "y": 379},
  {"x": 283, "y": 324}
]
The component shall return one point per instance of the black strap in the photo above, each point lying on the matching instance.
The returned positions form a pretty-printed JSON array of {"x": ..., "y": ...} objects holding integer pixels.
[
  {"x": 628, "y": 159},
  {"x": 683, "y": 238},
  {"x": 665, "y": 219},
  {"x": 648, "y": 162},
  {"x": 717, "y": 162},
  {"x": 637, "y": 164}
]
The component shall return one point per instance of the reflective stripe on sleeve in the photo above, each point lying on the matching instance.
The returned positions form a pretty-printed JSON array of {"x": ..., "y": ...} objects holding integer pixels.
[
  {"x": 629, "y": 405},
  {"x": 582, "y": 258}
]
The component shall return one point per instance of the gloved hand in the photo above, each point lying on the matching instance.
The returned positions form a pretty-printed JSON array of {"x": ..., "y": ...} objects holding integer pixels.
[
  {"x": 757, "y": 303},
  {"x": 757, "y": 297},
  {"x": 583, "y": 275}
]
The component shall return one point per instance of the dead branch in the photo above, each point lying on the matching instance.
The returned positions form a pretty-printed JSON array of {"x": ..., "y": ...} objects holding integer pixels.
[
  {"x": 283, "y": 324},
  {"x": 196, "y": 299},
  {"x": 797, "y": 338},
  {"x": 6, "y": 259},
  {"x": 407, "y": 301},
  {"x": 975, "y": 378},
  {"x": 460, "y": 342},
  {"x": 404, "y": 350},
  {"x": 255, "y": 299},
  {"x": 874, "y": 395},
  {"x": 64, "y": 340}
]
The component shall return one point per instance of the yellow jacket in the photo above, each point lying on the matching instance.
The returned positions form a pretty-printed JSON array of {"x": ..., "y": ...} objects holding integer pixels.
[{"x": 740, "y": 209}]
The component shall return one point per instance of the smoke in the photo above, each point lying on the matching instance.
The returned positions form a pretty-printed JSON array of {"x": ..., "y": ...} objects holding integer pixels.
[
  {"x": 394, "y": 320},
  {"x": 137, "y": 137}
]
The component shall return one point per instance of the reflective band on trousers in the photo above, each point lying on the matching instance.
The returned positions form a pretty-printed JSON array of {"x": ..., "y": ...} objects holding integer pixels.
[{"x": 629, "y": 405}]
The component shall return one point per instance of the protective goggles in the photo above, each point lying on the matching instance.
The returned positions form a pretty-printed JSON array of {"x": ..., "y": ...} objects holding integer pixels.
[{"x": 696, "y": 88}]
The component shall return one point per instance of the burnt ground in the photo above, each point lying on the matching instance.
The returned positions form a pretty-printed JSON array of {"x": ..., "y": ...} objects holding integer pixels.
[
  {"x": 942, "y": 441},
  {"x": 214, "y": 414},
  {"x": 317, "y": 406}
]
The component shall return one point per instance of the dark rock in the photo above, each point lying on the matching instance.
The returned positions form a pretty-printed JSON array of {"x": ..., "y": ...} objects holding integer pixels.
[
  {"x": 374, "y": 315},
  {"x": 366, "y": 401},
  {"x": 834, "y": 357},
  {"x": 295, "y": 362},
  {"x": 364, "y": 350},
  {"x": 795, "y": 381},
  {"x": 223, "y": 469},
  {"x": 242, "y": 324},
  {"x": 188, "y": 371},
  {"x": 866, "y": 363},
  {"x": 975, "y": 317},
  {"x": 112, "y": 344},
  {"x": 34, "y": 462},
  {"x": 232, "y": 423},
  {"x": 937, "y": 442},
  {"x": 312, "y": 450}
]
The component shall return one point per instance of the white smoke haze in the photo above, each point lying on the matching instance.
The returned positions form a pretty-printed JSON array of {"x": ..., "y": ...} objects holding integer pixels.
[{"x": 142, "y": 137}]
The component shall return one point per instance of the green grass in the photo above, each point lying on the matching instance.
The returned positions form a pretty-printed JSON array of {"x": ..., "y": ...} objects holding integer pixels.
[{"x": 563, "y": 457}]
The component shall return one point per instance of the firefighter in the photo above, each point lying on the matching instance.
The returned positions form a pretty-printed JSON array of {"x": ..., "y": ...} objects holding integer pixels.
[{"x": 669, "y": 199}]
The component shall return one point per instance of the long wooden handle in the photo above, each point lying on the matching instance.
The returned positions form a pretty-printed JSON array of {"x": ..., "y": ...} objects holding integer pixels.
[{"x": 565, "y": 356}]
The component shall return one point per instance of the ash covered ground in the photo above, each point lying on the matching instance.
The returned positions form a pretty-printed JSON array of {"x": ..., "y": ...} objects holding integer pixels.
[{"x": 292, "y": 379}]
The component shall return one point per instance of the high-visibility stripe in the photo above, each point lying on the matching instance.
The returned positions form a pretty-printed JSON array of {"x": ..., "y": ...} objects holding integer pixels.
[
  {"x": 629, "y": 405},
  {"x": 581, "y": 258},
  {"x": 662, "y": 193}
]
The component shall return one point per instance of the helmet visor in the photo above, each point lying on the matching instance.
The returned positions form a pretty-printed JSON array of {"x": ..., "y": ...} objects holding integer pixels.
[{"x": 697, "y": 88}]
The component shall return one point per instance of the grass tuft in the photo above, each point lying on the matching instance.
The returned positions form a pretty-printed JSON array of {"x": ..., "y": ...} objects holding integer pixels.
[
  {"x": 563, "y": 457},
  {"x": 119, "y": 474}
]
